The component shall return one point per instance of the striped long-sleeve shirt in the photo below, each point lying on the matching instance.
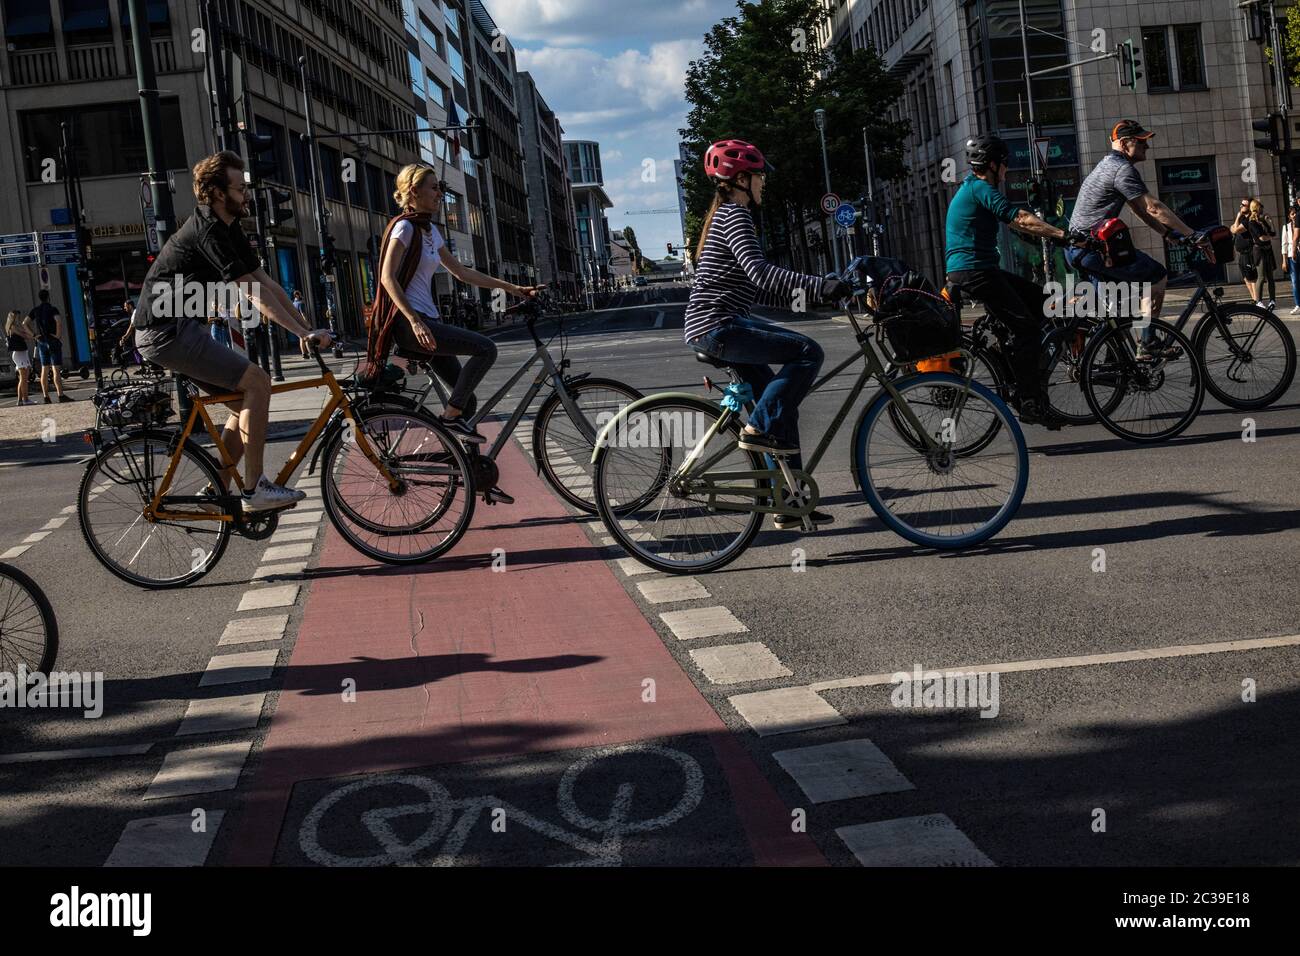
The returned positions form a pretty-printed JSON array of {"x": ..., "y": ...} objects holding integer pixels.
[{"x": 731, "y": 273}]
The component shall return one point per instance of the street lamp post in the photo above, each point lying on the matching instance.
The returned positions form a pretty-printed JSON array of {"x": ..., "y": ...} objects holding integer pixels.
[{"x": 819, "y": 118}]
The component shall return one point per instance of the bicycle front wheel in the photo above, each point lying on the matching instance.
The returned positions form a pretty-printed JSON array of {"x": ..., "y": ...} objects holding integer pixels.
[
  {"x": 563, "y": 447},
  {"x": 431, "y": 504},
  {"x": 115, "y": 490},
  {"x": 662, "y": 518},
  {"x": 1250, "y": 361},
  {"x": 1142, "y": 401},
  {"x": 29, "y": 634},
  {"x": 955, "y": 496}
]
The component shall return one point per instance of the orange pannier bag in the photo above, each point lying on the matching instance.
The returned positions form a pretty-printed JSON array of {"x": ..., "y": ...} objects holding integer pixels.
[{"x": 939, "y": 363}]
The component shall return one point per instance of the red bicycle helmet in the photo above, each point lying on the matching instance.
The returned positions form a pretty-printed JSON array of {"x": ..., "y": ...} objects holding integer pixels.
[{"x": 728, "y": 157}]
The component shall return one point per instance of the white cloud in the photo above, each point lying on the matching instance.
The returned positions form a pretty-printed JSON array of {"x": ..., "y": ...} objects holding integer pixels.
[{"x": 594, "y": 22}]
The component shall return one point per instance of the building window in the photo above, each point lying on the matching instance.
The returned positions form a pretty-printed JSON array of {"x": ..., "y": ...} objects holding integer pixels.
[
  {"x": 417, "y": 73},
  {"x": 1155, "y": 49},
  {"x": 109, "y": 136},
  {"x": 951, "y": 89},
  {"x": 456, "y": 63},
  {"x": 1191, "y": 60},
  {"x": 452, "y": 18}
]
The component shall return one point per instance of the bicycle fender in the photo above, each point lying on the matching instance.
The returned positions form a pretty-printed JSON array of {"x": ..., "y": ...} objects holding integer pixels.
[
  {"x": 603, "y": 438},
  {"x": 334, "y": 426}
]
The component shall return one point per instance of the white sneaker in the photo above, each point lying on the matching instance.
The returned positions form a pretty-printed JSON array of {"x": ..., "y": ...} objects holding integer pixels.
[
  {"x": 268, "y": 495},
  {"x": 1295, "y": 310},
  {"x": 1272, "y": 306},
  {"x": 1259, "y": 304}
]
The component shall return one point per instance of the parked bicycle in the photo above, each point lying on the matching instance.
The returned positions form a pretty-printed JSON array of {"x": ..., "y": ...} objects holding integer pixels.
[
  {"x": 566, "y": 423},
  {"x": 29, "y": 633},
  {"x": 939, "y": 458},
  {"x": 395, "y": 483}
]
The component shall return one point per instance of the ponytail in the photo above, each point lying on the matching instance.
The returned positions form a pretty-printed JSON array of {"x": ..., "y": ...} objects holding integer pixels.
[{"x": 722, "y": 194}]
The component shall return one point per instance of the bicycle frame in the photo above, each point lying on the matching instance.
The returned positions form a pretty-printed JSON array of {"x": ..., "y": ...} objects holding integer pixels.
[
  {"x": 338, "y": 401},
  {"x": 549, "y": 371},
  {"x": 699, "y": 475}
]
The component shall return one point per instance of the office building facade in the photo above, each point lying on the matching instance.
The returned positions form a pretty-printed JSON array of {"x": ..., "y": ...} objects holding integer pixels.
[{"x": 589, "y": 204}]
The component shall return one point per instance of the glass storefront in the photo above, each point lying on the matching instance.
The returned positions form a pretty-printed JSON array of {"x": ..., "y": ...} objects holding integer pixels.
[{"x": 1189, "y": 188}]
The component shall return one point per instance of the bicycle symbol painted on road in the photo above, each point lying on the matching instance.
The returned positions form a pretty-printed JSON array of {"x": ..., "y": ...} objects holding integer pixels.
[{"x": 452, "y": 819}]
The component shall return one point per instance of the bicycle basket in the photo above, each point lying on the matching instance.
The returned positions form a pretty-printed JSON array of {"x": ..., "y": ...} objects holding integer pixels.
[
  {"x": 916, "y": 320},
  {"x": 133, "y": 405}
]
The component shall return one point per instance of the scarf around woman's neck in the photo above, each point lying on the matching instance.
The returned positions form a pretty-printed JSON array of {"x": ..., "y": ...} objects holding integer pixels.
[{"x": 383, "y": 312}]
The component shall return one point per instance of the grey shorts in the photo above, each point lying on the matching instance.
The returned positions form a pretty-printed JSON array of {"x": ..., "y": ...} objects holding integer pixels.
[{"x": 187, "y": 348}]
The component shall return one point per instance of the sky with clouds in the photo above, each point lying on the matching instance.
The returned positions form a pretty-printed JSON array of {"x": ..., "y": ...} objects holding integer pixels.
[{"x": 615, "y": 72}]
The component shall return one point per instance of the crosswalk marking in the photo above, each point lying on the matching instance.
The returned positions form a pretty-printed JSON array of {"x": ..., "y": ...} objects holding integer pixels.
[
  {"x": 842, "y": 770},
  {"x": 252, "y": 629},
  {"x": 199, "y": 770},
  {"x": 739, "y": 663},
  {"x": 930, "y": 840},
  {"x": 699, "y": 622},
  {"x": 666, "y": 590},
  {"x": 165, "y": 841},
  {"x": 284, "y": 595},
  {"x": 239, "y": 668},
  {"x": 221, "y": 714}
]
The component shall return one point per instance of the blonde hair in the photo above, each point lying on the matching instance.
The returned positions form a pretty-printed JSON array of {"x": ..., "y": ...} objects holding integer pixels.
[
  {"x": 1256, "y": 209},
  {"x": 722, "y": 194},
  {"x": 11, "y": 320},
  {"x": 409, "y": 181}
]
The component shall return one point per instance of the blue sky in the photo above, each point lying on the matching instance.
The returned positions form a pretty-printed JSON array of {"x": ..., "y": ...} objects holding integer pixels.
[{"x": 615, "y": 71}]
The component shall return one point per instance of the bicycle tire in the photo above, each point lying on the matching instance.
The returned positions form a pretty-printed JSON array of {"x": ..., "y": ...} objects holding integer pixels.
[
  {"x": 620, "y": 520},
  {"x": 1125, "y": 376},
  {"x": 1207, "y": 328},
  {"x": 434, "y": 543},
  {"x": 208, "y": 472},
  {"x": 13, "y": 619},
  {"x": 873, "y": 490},
  {"x": 544, "y": 438}
]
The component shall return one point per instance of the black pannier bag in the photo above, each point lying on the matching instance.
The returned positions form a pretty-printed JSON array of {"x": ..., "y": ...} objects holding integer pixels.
[{"x": 917, "y": 321}]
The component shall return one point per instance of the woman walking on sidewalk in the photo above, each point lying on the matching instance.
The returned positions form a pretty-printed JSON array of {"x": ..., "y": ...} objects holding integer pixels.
[
  {"x": 1262, "y": 234},
  {"x": 20, "y": 341}
]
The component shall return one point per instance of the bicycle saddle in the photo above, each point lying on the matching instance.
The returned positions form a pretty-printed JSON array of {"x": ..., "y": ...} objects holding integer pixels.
[{"x": 709, "y": 360}]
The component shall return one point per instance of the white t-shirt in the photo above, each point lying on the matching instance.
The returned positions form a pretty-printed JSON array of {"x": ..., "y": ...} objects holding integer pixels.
[{"x": 419, "y": 291}]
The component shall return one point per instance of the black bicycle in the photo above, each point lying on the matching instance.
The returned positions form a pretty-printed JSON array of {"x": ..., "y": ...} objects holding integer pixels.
[{"x": 29, "y": 633}]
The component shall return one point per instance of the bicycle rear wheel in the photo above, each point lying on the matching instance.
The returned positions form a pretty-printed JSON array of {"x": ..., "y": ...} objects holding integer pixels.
[
  {"x": 1142, "y": 401},
  {"x": 29, "y": 633},
  {"x": 941, "y": 397},
  {"x": 430, "y": 508},
  {"x": 1250, "y": 363},
  {"x": 563, "y": 447},
  {"x": 949, "y": 498},
  {"x": 1063, "y": 381},
  {"x": 115, "y": 489},
  {"x": 665, "y": 523}
]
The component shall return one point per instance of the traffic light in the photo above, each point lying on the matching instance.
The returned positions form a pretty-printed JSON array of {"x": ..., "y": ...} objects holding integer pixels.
[
  {"x": 478, "y": 145},
  {"x": 261, "y": 151},
  {"x": 1275, "y": 136},
  {"x": 1039, "y": 193},
  {"x": 327, "y": 254},
  {"x": 671, "y": 250},
  {"x": 1128, "y": 65},
  {"x": 279, "y": 206}
]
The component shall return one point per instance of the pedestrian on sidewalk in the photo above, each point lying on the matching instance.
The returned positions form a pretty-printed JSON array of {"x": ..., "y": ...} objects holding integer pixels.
[
  {"x": 1245, "y": 248},
  {"x": 48, "y": 328},
  {"x": 1290, "y": 237},
  {"x": 20, "y": 339},
  {"x": 1262, "y": 233}
]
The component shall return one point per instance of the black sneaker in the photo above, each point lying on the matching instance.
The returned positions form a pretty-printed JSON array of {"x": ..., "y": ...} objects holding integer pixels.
[
  {"x": 463, "y": 430},
  {"x": 793, "y": 523},
  {"x": 64, "y": 398},
  {"x": 766, "y": 443},
  {"x": 1035, "y": 412},
  {"x": 47, "y": 399}
]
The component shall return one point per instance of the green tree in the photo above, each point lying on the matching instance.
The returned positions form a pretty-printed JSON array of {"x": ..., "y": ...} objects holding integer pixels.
[
  {"x": 760, "y": 77},
  {"x": 638, "y": 261}
]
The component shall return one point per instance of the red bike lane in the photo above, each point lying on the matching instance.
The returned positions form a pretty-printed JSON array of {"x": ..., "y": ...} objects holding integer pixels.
[{"x": 484, "y": 676}]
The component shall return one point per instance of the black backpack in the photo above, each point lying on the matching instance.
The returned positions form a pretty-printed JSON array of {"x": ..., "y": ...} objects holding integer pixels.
[{"x": 917, "y": 321}]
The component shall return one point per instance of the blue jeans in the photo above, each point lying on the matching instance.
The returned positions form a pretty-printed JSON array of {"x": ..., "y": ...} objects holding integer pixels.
[
  {"x": 1293, "y": 270},
  {"x": 749, "y": 346}
]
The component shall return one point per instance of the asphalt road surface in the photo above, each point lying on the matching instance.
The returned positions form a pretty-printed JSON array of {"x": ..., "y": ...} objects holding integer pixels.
[{"x": 1142, "y": 714}]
